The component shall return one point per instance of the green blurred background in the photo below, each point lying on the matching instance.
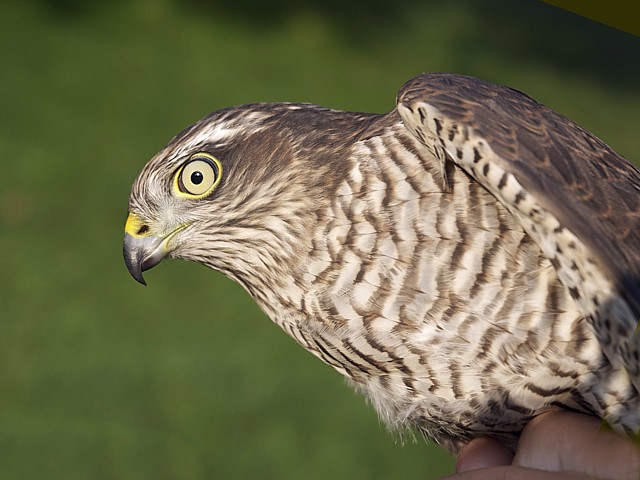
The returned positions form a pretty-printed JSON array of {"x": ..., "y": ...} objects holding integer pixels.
[{"x": 102, "y": 378}]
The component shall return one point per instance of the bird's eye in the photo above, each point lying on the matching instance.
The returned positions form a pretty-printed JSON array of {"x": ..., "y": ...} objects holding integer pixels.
[{"x": 199, "y": 176}]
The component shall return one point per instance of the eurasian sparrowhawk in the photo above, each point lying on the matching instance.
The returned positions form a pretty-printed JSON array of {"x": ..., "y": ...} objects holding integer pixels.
[{"x": 468, "y": 260}]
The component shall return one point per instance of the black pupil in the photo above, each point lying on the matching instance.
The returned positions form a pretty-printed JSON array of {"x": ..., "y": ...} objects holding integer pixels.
[{"x": 197, "y": 178}]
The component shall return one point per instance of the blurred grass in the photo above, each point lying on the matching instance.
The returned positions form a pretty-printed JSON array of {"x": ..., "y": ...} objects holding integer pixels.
[{"x": 101, "y": 378}]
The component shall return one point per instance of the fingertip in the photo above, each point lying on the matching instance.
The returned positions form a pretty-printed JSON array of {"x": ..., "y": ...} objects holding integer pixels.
[
  {"x": 483, "y": 452},
  {"x": 562, "y": 440}
]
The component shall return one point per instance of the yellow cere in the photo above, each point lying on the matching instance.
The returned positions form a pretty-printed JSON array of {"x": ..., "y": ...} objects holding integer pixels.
[{"x": 132, "y": 227}]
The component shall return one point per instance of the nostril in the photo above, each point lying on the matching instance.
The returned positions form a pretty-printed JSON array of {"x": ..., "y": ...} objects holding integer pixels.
[{"x": 143, "y": 229}]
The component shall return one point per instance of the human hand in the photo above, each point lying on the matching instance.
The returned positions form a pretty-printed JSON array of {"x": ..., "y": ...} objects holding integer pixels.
[{"x": 555, "y": 445}]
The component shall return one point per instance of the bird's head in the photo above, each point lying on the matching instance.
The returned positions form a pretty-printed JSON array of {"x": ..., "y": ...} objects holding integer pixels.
[{"x": 237, "y": 191}]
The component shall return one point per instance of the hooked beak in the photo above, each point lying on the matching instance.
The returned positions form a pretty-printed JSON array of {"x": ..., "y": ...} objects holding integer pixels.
[{"x": 143, "y": 251}]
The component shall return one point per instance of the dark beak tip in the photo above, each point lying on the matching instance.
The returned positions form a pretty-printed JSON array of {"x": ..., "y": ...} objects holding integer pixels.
[
  {"x": 141, "y": 254},
  {"x": 136, "y": 272},
  {"x": 140, "y": 279},
  {"x": 134, "y": 265}
]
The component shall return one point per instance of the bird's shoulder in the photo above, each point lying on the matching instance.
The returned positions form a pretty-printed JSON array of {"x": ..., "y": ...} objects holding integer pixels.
[{"x": 582, "y": 182}]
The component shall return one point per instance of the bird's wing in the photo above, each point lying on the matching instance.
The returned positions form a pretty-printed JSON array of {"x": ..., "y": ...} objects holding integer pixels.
[{"x": 576, "y": 197}]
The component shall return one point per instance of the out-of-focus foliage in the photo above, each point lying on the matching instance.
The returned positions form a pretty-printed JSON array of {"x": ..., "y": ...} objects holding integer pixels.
[
  {"x": 545, "y": 33},
  {"x": 187, "y": 379}
]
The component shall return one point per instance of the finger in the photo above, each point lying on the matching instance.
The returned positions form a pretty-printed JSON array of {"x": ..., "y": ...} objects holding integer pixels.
[
  {"x": 483, "y": 452},
  {"x": 561, "y": 440},
  {"x": 514, "y": 473}
]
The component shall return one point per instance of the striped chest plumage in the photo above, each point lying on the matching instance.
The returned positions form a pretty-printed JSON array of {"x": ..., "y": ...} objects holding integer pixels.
[{"x": 436, "y": 304}]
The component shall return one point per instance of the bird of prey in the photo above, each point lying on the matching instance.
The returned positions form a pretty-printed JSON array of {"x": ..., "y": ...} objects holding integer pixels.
[{"x": 468, "y": 260}]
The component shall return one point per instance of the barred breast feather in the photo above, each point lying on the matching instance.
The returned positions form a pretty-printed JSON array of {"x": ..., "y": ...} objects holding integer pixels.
[{"x": 440, "y": 307}]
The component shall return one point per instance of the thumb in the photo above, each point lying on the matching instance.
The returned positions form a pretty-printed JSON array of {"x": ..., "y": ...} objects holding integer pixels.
[{"x": 565, "y": 441}]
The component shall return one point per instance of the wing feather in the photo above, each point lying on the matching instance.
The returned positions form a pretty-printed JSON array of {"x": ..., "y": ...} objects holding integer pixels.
[
  {"x": 576, "y": 197},
  {"x": 588, "y": 187}
]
